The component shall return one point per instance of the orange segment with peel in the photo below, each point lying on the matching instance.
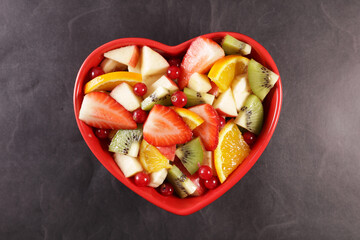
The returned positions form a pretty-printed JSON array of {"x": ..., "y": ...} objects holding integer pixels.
[
  {"x": 151, "y": 159},
  {"x": 109, "y": 81},
  {"x": 190, "y": 118},
  {"x": 224, "y": 70},
  {"x": 230, "y": 152}
]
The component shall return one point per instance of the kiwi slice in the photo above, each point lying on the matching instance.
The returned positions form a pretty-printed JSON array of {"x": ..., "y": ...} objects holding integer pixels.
[
  {"x": 196, "y": 98},
  {"x": 126, "y": 142},
  {"x": 261, "y": 79},
  {"x": 191, "y": 155},
  {"x": 183, "y": 185},
  {"x": 233, "y": 46},
  {"x": 251, "y": 114},
  {"x": 159, "y": 96}
]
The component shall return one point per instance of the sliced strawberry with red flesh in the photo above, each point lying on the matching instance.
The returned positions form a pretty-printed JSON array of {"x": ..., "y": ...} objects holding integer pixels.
[
  {"x": 164, "y": 127},
  {"x": 100, "y": 110},
  {"x": 168, "y": 152},
  {"x": 214, "y": 89},
  {"x": 200, "y": 56},
  {"x": 208, "y": 131}
]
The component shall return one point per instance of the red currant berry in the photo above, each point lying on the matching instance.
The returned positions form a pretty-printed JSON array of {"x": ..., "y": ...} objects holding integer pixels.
[
  {"x": 205, "y": 172},
  {"x": 222, "y": 121},
  {"x": 95, "y": 72},
  {"x": 249, "y": 138},
  {"x": 140, "y": 89},
  {"x": 211, "y": 183},
  {"x": 141, "y": 179},
  {"x": 166, "y": 189},
  {"x": 102, "y": 133},
  {"x": 173, "y": 72},
  {"x": 140, "y": 115},
  {"x": 179, "y": 99},
  {"x": 175, "y": 62}
]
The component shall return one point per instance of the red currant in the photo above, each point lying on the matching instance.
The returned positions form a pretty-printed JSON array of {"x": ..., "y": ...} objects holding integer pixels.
[
  {"x": 166, "y": 189},
  {"x": 102, "y": 133},
  {"x": 205, "y": 172},
  {"x": 95, "y": 72},
  {"x": 140, "y": 115},
  {"x": 140, "y": 89},
  {"x": 179, "y": 99},
  {"x": 173, "y": 72},
  {"x": 211, "y": 183},
  {"x": 175, "y": 62},
  {"x": 249, "y": 138},
  {"x": 141, "y": 179},
  {"x": 222, "y": 121}
]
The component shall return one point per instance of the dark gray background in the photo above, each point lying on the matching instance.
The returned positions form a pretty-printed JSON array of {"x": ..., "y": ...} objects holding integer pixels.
[{"x": 304, "y": 186}]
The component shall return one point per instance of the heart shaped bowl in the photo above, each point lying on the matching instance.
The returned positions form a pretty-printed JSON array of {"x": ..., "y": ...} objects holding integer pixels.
[{"x": 272, "y": 107}]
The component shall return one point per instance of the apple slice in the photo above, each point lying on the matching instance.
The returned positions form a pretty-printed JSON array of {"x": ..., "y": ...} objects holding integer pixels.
[
  {"x": 109, "y": 65},
  {"x": 199, "y": 82},
  {"x": 124, "y": 94},
  {"x": 225, "y": 104},
  {"x": 128, "y": 165},
  {"x": 128, "y": 55},
  {"x": 152, "y": 63},
  {"x": 164, "y": 82},
  {"x": 208, "y": 161},
  {"x": 241, "y": 90},
  {"x": 137, "y": 68},
  {"x": 157, "y": 178}
]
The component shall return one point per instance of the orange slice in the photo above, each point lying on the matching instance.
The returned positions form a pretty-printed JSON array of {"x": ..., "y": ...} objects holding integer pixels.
[
  {"x": 230, "y": 152},
  {"x": 190, "y": 118},
  {"x": 224, "y": 70},
  {"x": 151, "y": 159},
  {"x": 109, "y": 81}
]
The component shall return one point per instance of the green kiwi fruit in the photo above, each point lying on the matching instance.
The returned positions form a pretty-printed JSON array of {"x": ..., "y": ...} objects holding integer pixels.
[
  {"x": 233, "y": 46},
  {"x": 251, "y": 114},
  {"x": 126, "y": 142},
  {"x": 183, "y": 185},
  {"x": 191, "y": 155},
  {"x": 196, "y": 98},
  {"x": 159, "y": 96}
]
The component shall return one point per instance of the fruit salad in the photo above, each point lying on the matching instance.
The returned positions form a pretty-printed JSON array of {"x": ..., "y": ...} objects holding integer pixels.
[{"x": 181, "y": 125}]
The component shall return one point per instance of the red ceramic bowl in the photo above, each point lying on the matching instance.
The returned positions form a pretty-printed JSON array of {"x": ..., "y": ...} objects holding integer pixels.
[{"x": 272, "y": 106}]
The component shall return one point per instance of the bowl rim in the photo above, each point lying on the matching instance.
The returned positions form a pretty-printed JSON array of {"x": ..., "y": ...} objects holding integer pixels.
[{"x": 174, "y": 50}]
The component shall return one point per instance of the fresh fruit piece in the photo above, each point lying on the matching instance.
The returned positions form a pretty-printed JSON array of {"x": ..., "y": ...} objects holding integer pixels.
[
  {"x": 222, "y": 122},
  {"x": 190, "y": 118},
  {"x": 233, "y": 46},
  {"x": 137, "y": 68},
  {"x": 168, "y": 152},
  {"x": 205, "y": 172},
  {"x": 230, "y": 152},
  {"x": 140, "y": 89},
  {"x": 174, "y": 62},
  {"x": 164, "y": 82},
  {"x": 261, "y": 79},
  {"x": 241, "y": 90},
  {"x": 95, "y": 72},
  {"x": 151, "y": 159},
  {"x": 109, "y": 81},
  {"x": 225, "y": 104},
  {"x": 129, "y": 166},
  {"x": 209, "y": 130},
  {"x": 200, "y": 56},
  {"x": 152, "y": 63},
  {"x": 224, "y": 70},
  {"x": 164, "y": 127},
  {"x": 140, "y": 115},
  {"x": 183, "y": 185},
  {"x": 100, "y": 110},
  {"x": 159, "y": 96},
  {"x": 200, "y": 188},
  {"x": 191, "y": 155},
  {"x": 173, "y": 72},
  {"x": 126, "y": 142},
  {"x": 209, "y": 161},
  {"x": 251, "y": 115},
  {"x": 214, "y": 89},
  {"x": 211, "y": 183},
  {"x": 112, "y": 133},
  {"x": 249, "y": 138},
  {"x": 199, "y": 83},
  {"x": 102, "y": 133},
  {"x": 150, "y": 80},
  {"x": 166, "y": 189},
  {"x": 128, "y": 55},
  {"x": 109, "y": 65},
  {"x": 141, "y": 179},
  {"x": 157, "y": 178},
  {"x": 195, "y": 98},
  {"x": 124, "y": 94},
  {"x": 179, "y": 99}
]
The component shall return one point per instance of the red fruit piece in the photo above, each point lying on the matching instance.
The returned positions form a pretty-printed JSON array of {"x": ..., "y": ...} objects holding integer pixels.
[
  {"x": 200, "y": 56},
  {"x": 250, "y": 138},
  {"x": 214, "y": 89},
  {"x": 102, "y": 133},
  {"x": 95, "y": 72},
  {"x": 164, "y": 127},
  {"x": 140, "y": 115},
  {"x": 100, "y": 110},
  {"x": 166, "y": 189},
  {"x": 211, "y": 183},
  {"x": 179, "y": 99},
  {"x": 168, "y": 152},
  {"x": 141, "y": 179}
]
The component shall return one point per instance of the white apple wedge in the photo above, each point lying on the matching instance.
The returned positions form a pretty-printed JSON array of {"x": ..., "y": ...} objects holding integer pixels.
[
  {"x": 225, "y": 104},
  {"x": 208, "y": 161},
  {"x": 152, "y": 63},
  {"x": 124, "y": 94},
  {"x": 128, "y": 55},
  {"x": 157, "y": 178},
  {"x": 137, "y": 68},
  {"x": 164, "y": 82},
  {"x": 109, "y": 65},
  {"x": 199, "y": 82},
  {"x": 241, "y": 90},
  {"x": 128, "y": 165}
]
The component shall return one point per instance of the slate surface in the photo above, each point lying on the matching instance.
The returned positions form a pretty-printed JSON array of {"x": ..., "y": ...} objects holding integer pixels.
[{"x": 304, "y": 186}]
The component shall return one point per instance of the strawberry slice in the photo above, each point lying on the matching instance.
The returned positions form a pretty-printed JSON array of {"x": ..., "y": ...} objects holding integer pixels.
[
  {"x": 208, "y": 131},
  {"x": 100, "y": 110},
  {"x": 164, "y": 127},
  {"x": 200, "y": 56},
  {"x": 168, "y": 152}
]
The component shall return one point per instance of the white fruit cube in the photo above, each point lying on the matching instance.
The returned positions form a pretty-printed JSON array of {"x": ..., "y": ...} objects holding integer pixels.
[
  {"x": 199, "y": 82},
  {"x": 157, "y": 178},
  {"x": 164, "y": 82},
  {"x": 124, "y": 94},
  {"x": 208, "y": 161},
  {"x": 109, "y": 65},
  {"x": 137, "y": 68},
  {"x": 241, "y": 90},
  {"x": 225, "y": 104},
  {"x": 128, "y": 55},
  {"x": 128, "y": 165},
  {"x": 149, "y": 80},
  {"x": 152, "y": 63}
]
